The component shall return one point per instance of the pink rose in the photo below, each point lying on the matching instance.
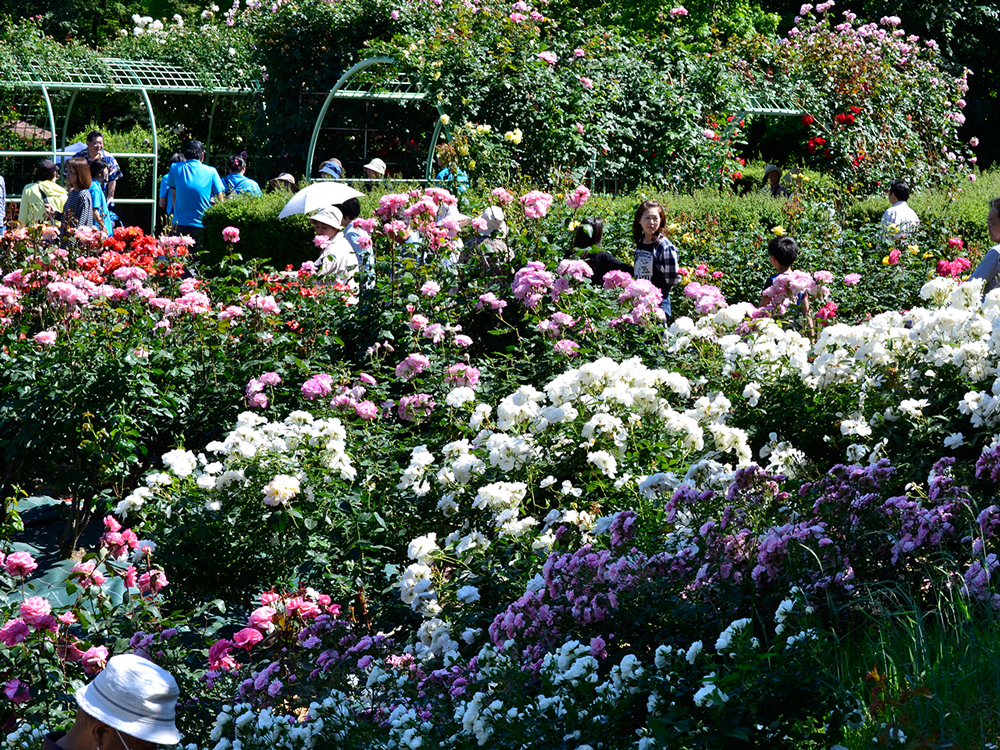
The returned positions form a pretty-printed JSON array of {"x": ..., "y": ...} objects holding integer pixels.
[
  {"x": 414, "y": 407},
  {"x": 131, "y": 576},
  {"x": 17, "y": 691},
  {"x": 318, "y": 386},
  {"x": 548, "y": 57},
  {"x": 367, "y": 379},
  {"x": 247, "y": 638},
  {"x": 261, "y": 618},
  {"x": 34, "y": 609},
  {"x": 270, "y": 378},
  {"x": 46, "y": 338},
  {"x": 567, "y": 347},
  {"x": 153, "y": 582},
  {"x": 462, "y": 374},
  {"x": 95, "y": 659},
  {"x": 412, "y": 366},
  {"x": 269, "y": 597},
  {"x": 578, "y": 52},
  {"x": 231, "y": 234},
  {"x": 588, "y": 83},
  {"x": 503, "y": 197},
  {"x": 430, "y": 288},
  {"x": 579, "y": 196},
  {"x": 20, "y": 564},
  {"x": 89, "y": 572},
  {"x": 13, "y": 632},
  {"x": 367, "y": 410},
  {"x": 463, "y": 340}
]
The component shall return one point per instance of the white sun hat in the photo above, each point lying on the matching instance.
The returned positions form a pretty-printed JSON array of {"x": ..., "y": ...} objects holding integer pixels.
[
  {"x": 494, "y": 218},
  {"x": 376, "y": 165},
  {"x": 134, "y": 696},
  {"x": 331, "y": 216}
]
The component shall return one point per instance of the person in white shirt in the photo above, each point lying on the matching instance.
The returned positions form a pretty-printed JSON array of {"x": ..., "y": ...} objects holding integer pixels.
[
  {"x": 337, "y": 260},
  {"x": 899, "y": 214},
  {"x": 989, "y": 268}
]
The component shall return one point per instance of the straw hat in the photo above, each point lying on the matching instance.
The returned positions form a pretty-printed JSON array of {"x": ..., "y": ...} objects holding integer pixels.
[{"x": 134, "y": 696}]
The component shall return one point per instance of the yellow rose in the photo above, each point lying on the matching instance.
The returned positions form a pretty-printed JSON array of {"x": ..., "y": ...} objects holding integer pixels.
[
  {"x": 573, "y": 225},
  {"x": 805, "y": 179},
  {"x": 673, "y": 228},
  {"x": 472, "y": 163},
  {"x": 779, "y": 231},
  {"x": 445, "y": 119},
  {"x": 925, "y": 256},
  {"x": 688, "y": 237},
  {"x": 913, "y": 249},
  {"x": 885, "y": 260}
]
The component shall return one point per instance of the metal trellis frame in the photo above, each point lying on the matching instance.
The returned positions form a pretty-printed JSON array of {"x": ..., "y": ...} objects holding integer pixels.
[
  {"x": 354, "y": 84},
  {"x": 144, "y": 77}
]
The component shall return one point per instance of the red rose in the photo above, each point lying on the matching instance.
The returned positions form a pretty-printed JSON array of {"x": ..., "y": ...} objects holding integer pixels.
[{"x": 808, "y": 120}]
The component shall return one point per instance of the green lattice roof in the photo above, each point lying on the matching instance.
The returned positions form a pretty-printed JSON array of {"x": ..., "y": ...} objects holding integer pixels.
[{"x": 122, "y": 75}]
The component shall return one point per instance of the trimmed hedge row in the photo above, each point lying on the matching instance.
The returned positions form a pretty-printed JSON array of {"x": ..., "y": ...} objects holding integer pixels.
[{"x": 288, "y": 241}]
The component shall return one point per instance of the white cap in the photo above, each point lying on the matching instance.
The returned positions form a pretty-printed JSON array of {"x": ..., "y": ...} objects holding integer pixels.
[
  {"x": 331, "y": 216},
  {"x": 134, "y": 696},
  {"x": 376, "y": 165}
]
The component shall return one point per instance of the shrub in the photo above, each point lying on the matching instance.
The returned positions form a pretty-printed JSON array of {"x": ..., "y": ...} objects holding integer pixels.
[{"x": 263, "y": 237}]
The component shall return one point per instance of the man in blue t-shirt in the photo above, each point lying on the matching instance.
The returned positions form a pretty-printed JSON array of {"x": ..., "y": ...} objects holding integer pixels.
[{"x": 194, "y": 185}]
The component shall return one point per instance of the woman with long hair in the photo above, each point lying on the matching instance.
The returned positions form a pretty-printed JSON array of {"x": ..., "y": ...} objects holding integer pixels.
[{"x": 78, "y": 211}]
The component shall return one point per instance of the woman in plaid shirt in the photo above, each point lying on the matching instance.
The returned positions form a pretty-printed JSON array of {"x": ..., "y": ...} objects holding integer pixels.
[{"x": 656, "y": 258}]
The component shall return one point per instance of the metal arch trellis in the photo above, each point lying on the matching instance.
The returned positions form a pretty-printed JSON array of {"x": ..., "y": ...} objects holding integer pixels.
[
  {"x": 354, "y": 84},
  {"x": 145, "y": 77}
]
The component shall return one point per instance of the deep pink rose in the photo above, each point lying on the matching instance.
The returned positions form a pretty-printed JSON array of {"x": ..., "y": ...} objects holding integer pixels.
[
  {"x": 20, "y": 564},
  {"x": 13, "y": 632},
  {"x": 17, "y": 691},
  {"x": 247, "y": 638},
  {"x": 95, "y": 659},
  {"x": 34, "y": 609}
]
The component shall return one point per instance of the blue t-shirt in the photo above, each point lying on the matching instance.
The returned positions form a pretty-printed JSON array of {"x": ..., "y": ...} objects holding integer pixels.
[
  {"x": 101, "y": 205},
  {"x": 461, "y": 179},
  {"x": 237, "y": 184},
  {"x": 195, "y": 184},
  {"x": 166, "y": 192}
]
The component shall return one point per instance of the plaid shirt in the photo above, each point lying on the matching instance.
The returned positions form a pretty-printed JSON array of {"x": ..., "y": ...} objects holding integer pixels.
[{"x": 666, "y": 261}]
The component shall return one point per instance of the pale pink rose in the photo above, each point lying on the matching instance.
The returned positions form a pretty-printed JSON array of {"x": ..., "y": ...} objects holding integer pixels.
[
  {"x": 20, "y": 564},
  {"x": 430, "y": 288},
  {"x": 462, "y": 340},
  {"x": 462, "y": 374},
  {"x": 548, "y": 57},
  {"x": 270, "y": 378},
  {"x": 89, "y": 572},
  {"x": 503, "y": 197},
  {"x": 46, "y": 338},
  {"x": 578, "y": 52},
  {"x": 367, "y": 410},
  {"x": 318, "y": 386},
  {"x": 94, "y": 659},
  {"x": 394, "y": 15},
  {"x": 579, "y": 196},
  {"x": 567, "y": 347},
  {"x": 852, "y": 278},
  {"x": 367, "y": 379},
  {"x": 412, "y": 366},
  {"x": 588, "y": 83},
  {"x": 34, "y": 609},
  {"x": 679, "y": 11}
]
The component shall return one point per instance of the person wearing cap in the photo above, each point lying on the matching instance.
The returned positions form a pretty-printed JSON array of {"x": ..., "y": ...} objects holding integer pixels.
[
  {"x": 337, "y": 259},
  {"x": 236, "y": 182},
  {"x": 42, "y": 199},
  {"x": 195, "y": 185},
  {"x": 283, "y": 183},
  {"x": 130, "y": 705},
  {"x": 772, "y": 182},
  {"x": 331, "y": 168},
  {"x": 375, "y": 169}
]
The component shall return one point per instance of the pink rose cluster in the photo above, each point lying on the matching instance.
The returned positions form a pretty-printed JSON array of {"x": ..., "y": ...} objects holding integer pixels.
[
  {"x": 415, "y": 407},
  {"x": 413, "y": 365},
  {"x": 503, "y": 197},
  {"x": 578, "y": 197},
  {"x": 462, "y": 374},
  {"x": 317, "y": 386},
  {"x": 645, "y": 300},
  {"x": 491, "y": 301},
  {"x": 554, "y": 326},
  {"x": 789, "y": 287},
  {"x": 578, "y": 270},
  {"x": 531, "y": 283},
  {"x": 118, "y": 543},
  {"x": 953, "y": 268},
  {"x": 255, "y": 396},
  {"x": 707, "y": 299},
  {"x": 536, "y": 204}
]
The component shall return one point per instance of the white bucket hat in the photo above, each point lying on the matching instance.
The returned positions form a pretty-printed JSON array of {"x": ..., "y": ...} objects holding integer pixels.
[
  {"x": 494, "y": 218},
  {"x": 331, "y": 216},
  {"x": 376, "y": 165},
  {"x": 134, "y": 696},
  {"x": 770, "y": 168}
]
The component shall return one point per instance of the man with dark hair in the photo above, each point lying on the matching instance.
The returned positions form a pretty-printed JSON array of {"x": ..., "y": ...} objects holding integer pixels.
[
  {"x": 130, "y": 705},
  {"x": 899, "y": 214},
  {"x": 95, "y": 150},
  {"x": 3, "y": 206},
  {"x": 194, "y": 185},
  {"x": 782, "y": 252},
  {"x": 43, "y": 198},
  {"x": 989, "y": 267}
]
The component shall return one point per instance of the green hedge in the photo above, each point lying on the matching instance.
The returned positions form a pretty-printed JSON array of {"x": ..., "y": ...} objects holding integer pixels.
[{"x": 262, "y": 235}]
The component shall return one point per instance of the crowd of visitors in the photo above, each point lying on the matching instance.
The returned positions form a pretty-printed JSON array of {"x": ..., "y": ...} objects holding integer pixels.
[{"x": 346, "y": 254}]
